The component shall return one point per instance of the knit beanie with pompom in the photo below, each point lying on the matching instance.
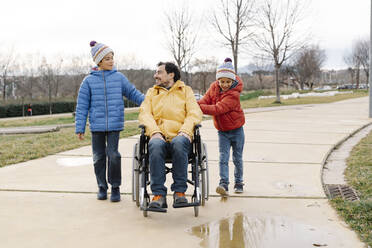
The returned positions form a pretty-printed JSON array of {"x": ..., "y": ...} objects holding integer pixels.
[
  {"x": 98, "y": 51},
  {"x": 226, "y": 70}
]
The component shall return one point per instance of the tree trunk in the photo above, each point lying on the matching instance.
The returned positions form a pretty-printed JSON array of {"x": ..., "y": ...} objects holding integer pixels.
[
  {"x": 204, "y": 83},
  {"x": 187, "y": 75},
  {"x": 260, "y": 80},
  {"x": 357, "y": 77},
  {"x": 56, "y": 86},
  {"x": 236, "y": 62},
  {"x": 4, "y": 88},
  {"x": 352, "y": 76},
  {"x": 30, "y": 81},
  {"x": 50, "y": 98},
  {"x": 277, "y": 84},
  {"x": 367, "y": 76},
  {"x": 23, "y": 106}
]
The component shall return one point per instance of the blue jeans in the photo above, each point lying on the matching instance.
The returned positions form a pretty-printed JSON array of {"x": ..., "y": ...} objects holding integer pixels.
[
  {"x": 105, "y": 145},
  {"x": 178, "y": 149},
  {"x": 227, "y": 139}
]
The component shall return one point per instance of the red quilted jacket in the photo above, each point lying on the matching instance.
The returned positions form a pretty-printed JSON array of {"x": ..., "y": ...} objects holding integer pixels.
[{"x": 224, "y": 106}]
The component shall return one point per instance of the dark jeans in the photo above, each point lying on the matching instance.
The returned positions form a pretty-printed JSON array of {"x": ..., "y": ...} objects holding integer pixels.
[
  {"x": 227, "y": 139},
  {"x": 105, "y": 145},
  {"x": 178, "y": 149}
]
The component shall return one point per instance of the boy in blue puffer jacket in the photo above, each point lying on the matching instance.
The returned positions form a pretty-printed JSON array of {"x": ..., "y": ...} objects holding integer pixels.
[{"x": 101, "y": 95}]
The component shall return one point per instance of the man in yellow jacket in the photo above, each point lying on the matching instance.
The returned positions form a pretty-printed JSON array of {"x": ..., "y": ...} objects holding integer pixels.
[{"x": 169, "y": 113}]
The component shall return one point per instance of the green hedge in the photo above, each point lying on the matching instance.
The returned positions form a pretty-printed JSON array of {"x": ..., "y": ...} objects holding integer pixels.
[
  {"x": 15, "y": 110},
  {"x": 251, "y": 95}
]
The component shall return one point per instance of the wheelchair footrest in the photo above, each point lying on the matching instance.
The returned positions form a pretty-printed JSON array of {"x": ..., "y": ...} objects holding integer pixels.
[
  {"x": 185, "y": 205},
  {"x": 159, "y": 210}
]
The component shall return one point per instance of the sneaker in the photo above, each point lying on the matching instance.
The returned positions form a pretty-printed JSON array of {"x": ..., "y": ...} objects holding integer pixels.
[
  {"x": 115, "y": 194},
  {"x": 102, "y": 193},
  {"x": 223, "y": 190},
  {"x": 239, "y": 188},
  {"x": 179, "y": 198},
  {"x": 158, "y": 201}
]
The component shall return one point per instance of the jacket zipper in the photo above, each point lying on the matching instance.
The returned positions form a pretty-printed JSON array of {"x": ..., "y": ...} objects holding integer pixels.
[
  {"x": 217, "y": 117},
  {"x": 104, "y": 81}
]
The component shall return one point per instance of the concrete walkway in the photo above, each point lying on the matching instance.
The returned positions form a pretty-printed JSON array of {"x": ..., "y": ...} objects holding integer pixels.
[{"x": 51, "y": 202}]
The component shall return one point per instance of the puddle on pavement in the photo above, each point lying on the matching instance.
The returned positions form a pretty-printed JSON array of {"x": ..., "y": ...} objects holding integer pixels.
[
  {"x": 71, "y": 162},
  {"x": 244, "y": 231}
]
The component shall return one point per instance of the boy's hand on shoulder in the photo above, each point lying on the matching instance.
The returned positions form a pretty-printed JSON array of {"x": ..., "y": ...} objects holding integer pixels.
[{"x": 80, "y": 136}]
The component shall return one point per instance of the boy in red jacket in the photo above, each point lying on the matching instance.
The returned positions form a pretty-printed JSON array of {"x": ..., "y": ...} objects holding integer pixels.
[{"x": 222, "y": 101}]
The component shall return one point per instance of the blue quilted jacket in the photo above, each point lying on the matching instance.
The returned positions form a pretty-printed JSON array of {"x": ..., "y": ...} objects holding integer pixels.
[{"x": 101, "y": 95}]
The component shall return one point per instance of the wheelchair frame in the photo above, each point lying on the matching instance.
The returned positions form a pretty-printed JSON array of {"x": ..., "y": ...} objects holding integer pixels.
[{"x": 141, "y": 174}]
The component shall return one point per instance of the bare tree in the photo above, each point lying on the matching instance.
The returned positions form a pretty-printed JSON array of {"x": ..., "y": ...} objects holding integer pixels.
[
  {"x": 278, "y": 34},
  {"x": 7, "y": 61},
  {"x": 351, "y": 59},
  {"x": 350, "y": 62},
  {"x": 47, "y": 75},
  {"x": 233, "y": 21},
  {"x": 26, "y": 80},
  {"x": 141, "y": 78},
  {"x": 77, "y": 68},
  {"x": 261, "y": 69},
  {"x": 307, "y": 65},
  {"x": 29, "y": 72},
  {"x": 182, "y": 35},
  {"x": 204, "y": 69},
  {"x": 57, "y": 68},
  {"x": 361, "y": 50}
]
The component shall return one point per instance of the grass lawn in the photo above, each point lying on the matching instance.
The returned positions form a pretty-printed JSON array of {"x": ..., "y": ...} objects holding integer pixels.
[
  {"x": 19, "y": 148},
  {"x": 23, "y": 147},
  {"x": 358, "y": 214},
  {"x": 50, "y": 120},
  {"x": 256, "y": 103},
  {"x": 37, "y": 121}
]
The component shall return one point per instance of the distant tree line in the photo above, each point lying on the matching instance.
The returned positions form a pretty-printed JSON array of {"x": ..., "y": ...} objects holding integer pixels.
[{"x": 272, "y": 33}]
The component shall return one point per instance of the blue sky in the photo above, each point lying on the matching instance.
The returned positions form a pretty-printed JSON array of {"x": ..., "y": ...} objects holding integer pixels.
[{"x": 136, "y": 27}]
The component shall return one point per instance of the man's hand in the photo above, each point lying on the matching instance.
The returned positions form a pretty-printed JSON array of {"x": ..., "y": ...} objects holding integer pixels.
[
  {"x": 185, "y": 135},
  {"x": 80, "y": 136},
  {"x": 157, "y": 136}
]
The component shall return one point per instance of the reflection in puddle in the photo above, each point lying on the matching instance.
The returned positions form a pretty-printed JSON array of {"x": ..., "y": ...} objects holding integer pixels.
[
  {"x": 258, "y": 232},
  {"x": 77, "y": 161}
]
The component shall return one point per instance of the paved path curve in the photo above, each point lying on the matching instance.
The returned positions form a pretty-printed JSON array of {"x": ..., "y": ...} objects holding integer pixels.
[{"x": 50, "y": 202}]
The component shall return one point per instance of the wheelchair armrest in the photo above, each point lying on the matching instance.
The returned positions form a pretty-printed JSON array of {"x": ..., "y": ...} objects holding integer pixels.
[
  {"x": 143, "y": 129},
  {"x": 196, "y": 130}
]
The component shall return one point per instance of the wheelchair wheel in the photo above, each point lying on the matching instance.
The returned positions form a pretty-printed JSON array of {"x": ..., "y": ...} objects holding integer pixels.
[
  {"x": 137, "y": 189},
  {"x": 204, "y": 176},
  {"x": 135, "y": 175},
  {"x": 196, "y": 208},
  {"x": 145, "y": 205},
  {"x": 203, "y": 187},
  {"x": 143, "y": 199}
]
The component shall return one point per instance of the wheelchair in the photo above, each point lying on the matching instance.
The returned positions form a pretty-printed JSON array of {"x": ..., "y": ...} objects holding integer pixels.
[{"x": 198, "y": 175}]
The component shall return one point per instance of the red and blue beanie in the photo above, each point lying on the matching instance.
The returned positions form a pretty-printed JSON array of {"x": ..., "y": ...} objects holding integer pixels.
[
  {"x": 226, "y": 70},
  {"x": 98, "y": 51}
]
